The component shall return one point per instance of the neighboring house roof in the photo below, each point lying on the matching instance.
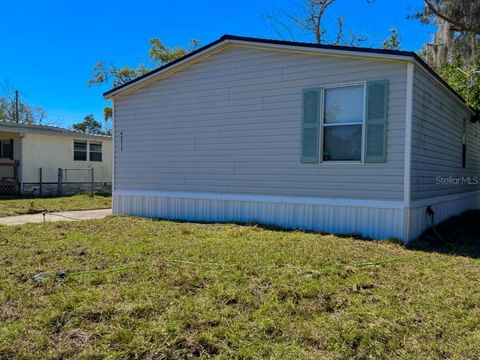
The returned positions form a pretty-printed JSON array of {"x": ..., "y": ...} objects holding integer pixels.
[
  {"x": 54, "y": 130},
  {"x": 327, "y": 49}
]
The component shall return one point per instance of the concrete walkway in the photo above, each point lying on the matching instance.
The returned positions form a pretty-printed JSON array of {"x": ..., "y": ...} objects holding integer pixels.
[{"x": 56, "y": 216}]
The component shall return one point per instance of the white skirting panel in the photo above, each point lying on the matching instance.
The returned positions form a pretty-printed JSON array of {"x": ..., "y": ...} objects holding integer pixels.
[
  {"x": 444, "y": 207},
  {"x": 373, "y": 219}
]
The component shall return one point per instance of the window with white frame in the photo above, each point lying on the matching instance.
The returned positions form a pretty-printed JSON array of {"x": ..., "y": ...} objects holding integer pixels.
[
  {"x": 343, "y": 120},
  {"x": 95, "y": 151}
]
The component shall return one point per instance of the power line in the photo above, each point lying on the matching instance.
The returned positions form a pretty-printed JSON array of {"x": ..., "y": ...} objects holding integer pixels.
[{"x": 17, "y": 116}]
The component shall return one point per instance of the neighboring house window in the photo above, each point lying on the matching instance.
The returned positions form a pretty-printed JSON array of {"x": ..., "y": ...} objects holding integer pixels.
[
  {"x": 343, "y": 120},
  {"x": 95, "y": 151},
  {"x": 6, "y": 149},
  {"x": 80, "y": 150}
]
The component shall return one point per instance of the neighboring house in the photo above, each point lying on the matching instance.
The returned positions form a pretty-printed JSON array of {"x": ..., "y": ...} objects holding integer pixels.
[
  {"x": 31, "y": 156},
  {"x": 325, "y": 138}
]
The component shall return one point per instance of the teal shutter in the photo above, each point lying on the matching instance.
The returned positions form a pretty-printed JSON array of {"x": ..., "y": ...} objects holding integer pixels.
[
  {"x": 376, "y": 122},
  {"x": 310, "y": 125}
]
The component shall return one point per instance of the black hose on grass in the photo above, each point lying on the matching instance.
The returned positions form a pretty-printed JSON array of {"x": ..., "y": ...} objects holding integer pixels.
[{"x": 431, "y": 214}]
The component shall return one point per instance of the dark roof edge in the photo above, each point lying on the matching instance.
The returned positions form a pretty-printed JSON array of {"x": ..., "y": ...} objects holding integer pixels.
[
  {"x": 410, "y": 54},
  {"x": 150, "y": 73},
  {"x": 318, "y": 46}
]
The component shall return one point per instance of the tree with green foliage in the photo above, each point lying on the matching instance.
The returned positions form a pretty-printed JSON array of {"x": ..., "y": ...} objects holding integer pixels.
[
  {"x": 158, "y": 55},
  {"x": 393, "y": 41},
  {"x": 107, "y": 113},
  {"x": 89, "y": 126},
  {"x": 464, "y": 79},
  {"x": 118, "y": 76},
  {"x": 455, "y": 50}
]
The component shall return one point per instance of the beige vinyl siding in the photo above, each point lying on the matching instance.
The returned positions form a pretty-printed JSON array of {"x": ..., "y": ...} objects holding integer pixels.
[
  {"x": 51, "y": 152},
  {"x": 437, "y": 140},
  {"x": 232, "y": 124}
]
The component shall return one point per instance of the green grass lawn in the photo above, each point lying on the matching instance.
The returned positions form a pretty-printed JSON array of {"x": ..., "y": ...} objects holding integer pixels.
[
  {"x": 9, "y": 207},
  {"x": 134, "y": 288}
]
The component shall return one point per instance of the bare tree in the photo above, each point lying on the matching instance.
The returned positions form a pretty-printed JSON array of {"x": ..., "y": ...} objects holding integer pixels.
[
  {"x": 27, "y": 113},
  {"x": 312, "y": 22},
  {"x": 310, "y": 19},
  {"x": 7, "y": 101}
]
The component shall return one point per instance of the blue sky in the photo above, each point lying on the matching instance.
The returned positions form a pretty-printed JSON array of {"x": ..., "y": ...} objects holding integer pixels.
[{"x": 49, "y": 47}]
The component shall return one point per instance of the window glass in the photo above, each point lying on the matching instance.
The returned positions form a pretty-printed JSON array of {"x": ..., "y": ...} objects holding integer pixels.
[
  {"x": 7, "y": 149},
  {"x": 343, "y": 105},
  {"x": 343, "y": 123},
  {"x": 95, "y": 151},
  {"x": 80, "y": 151},
  {"x": 343, "y": 143}
]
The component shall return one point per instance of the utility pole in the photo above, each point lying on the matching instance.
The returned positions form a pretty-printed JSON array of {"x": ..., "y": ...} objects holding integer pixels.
[{"x": 17, "y": 116}]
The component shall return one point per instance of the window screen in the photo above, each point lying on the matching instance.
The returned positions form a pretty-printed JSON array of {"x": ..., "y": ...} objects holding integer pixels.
[
  {"x": 95, "y": 151},
  {"x": 343, "y": 143},
  {"x": 80, "y": 151}
]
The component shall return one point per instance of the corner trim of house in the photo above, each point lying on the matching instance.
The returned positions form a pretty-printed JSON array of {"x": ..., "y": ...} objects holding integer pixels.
[
  {"x": 408, "y": 135},
  {"x": 113, "y": 144},
  {"x": 381, "y": 204},
  {"x": 408, "y": 148}
]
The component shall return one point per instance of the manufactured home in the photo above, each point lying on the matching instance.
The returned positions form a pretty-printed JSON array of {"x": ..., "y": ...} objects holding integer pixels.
[
  {"x": 299, "y": 135},
  {"x": 48, "y": 160}
]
